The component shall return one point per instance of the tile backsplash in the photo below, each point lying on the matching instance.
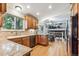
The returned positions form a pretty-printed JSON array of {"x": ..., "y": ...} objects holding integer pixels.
[{"x": 5, "y": 34}]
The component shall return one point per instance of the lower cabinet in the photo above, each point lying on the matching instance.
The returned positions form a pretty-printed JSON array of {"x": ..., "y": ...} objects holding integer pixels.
[
  {"x": 42, "y": 39},
  {"x": 28, "y": 41},
  {"x": 17, "y": 40},
  {"x": 31, "y": 41}
]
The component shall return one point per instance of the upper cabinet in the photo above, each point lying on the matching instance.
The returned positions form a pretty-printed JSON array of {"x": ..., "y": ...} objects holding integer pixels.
[
  {"x": 1, "y": 20},
  {"x": 2, "y": 8},
  {"x": 31, "y": 21},
  {"x": 74, "y": 9},
  {"x": 2, "y": 11}
]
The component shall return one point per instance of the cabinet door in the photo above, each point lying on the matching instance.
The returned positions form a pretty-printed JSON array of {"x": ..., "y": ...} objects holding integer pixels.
[
  {"x": 2, "y": 7},
  {"x": 18, "y": 40},
  {"x": 27, "y": 20},
  {"x": 38, "y": 39},
  {"x": 34, "y": 23},
  {"x": 31, "y": 21},
  {"x": 26, "y": 41},
  {"x": 26, "y": 25},
  {"x": 44, "y": 40},
  {"x": 1, "y": 20}
]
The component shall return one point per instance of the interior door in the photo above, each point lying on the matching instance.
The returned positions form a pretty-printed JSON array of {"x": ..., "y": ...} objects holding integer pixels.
[{"x": 75, "y": 35}]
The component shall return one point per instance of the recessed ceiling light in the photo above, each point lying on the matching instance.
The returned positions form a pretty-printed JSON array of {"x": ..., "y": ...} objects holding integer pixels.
[
  {"x": 28, "y": 6},
  {"x": 37, "y": 13},
  {"x": 50, "y": 6}
]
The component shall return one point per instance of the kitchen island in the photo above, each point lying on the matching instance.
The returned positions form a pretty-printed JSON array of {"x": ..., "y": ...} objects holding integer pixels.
[{"x": 9, "y": 48}]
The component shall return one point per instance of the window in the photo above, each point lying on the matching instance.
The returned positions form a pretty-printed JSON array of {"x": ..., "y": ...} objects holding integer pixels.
[{"x": 13, "y": 23}]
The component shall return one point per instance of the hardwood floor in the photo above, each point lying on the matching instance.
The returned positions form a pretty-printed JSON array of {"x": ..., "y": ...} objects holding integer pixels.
[
  {"x": 40, "y": 51},
  {"x": 57, "y": 48}
]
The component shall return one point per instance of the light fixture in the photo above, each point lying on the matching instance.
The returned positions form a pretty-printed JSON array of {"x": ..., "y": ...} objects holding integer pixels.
[
  {"x": 50, "y": 6},
  {"x": 28, "y": 6},
  {"x": 37, "y": 13},
  {"x": 19, "y": 8}
]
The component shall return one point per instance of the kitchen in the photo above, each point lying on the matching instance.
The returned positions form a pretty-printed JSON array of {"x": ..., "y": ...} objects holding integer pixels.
[{"x": 35, "y": 29}]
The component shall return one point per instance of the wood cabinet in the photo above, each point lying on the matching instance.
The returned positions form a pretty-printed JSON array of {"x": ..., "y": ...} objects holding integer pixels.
[
  {"x": 34, "y": 24},
  {"x": 31, "y": 21},
  {"x": 28, "y": 41},
  {"x": 2, "y": 11},
  {"x": 1, "y": 20},
  {"x": 31, "y": 41},
  {"x": 2, "y": 7},
  {"x": 37, "y": 39},
  {"x": 17, "y": 40},
  {"x": 74, "y": 9},
  {"x": 42, "y": 39}
]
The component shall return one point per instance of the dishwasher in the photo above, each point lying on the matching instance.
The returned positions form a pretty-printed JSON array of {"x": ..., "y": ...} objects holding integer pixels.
[{"x": 32, "y": 41}]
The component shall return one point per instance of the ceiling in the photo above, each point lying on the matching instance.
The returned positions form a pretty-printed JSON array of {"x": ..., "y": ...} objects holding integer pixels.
[{"x": 42, "y": 8}]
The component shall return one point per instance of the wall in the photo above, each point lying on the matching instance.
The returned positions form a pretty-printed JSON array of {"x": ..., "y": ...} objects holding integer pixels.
[{"x": 5, "y": 34}]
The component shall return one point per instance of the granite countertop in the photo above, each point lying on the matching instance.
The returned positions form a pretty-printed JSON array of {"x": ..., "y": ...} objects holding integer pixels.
[
  {"x": 9, "y": 48},
  {"x": 19, "y": 36}
]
